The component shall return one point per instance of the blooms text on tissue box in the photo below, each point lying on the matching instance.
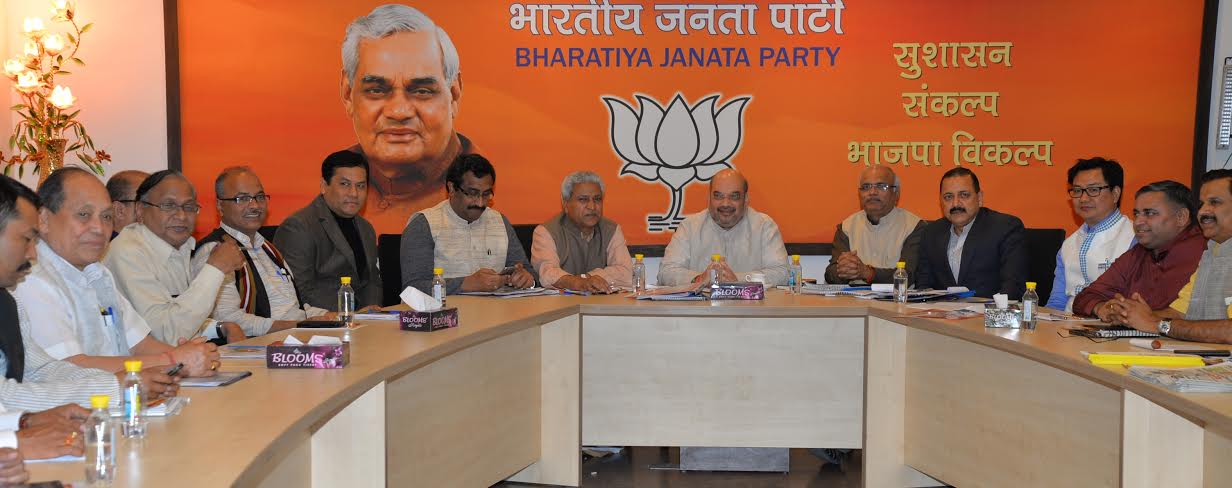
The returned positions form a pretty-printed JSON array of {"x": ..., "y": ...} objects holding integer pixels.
[
  {"x": 429, "y": 321},
  {"x": 739, "y": 291},
  {"x": 322, "y": 356}
]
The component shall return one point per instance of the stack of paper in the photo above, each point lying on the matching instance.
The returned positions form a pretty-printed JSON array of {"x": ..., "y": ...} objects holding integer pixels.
[
  {"x": 241, "y": 352},
  {"x": 1209, "y": 379},
  {"x": 688, "y": 291}
]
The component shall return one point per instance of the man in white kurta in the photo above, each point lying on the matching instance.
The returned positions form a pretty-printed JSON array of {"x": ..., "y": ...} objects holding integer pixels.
[
  {"x": 748, "y": 241},
  {"x": 151, "y": 261},
  {"x": 1095, "y": 188}
]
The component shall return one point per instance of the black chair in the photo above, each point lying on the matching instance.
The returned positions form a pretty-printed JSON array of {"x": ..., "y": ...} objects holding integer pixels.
[
  {"x": 1042, "y": 246},
  {"x": 526, "y": 234},
  {"x": 268, "y": 231},
  {"x": 388, "y": 246}
]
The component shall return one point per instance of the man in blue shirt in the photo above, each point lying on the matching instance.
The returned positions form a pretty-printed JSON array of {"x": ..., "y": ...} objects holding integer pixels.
[{"x": 1095, "y": 187}]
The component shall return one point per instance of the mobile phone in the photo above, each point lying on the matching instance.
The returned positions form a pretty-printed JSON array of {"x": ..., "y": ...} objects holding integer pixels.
[
  {"x": 175, "y": 369},
  {"x": 320, "y": 324}
]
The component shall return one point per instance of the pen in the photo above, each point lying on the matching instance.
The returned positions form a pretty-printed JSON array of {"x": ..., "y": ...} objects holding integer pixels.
[
  {"x": 578, "y": 293},
  {"x": 1205, "y": 352}
]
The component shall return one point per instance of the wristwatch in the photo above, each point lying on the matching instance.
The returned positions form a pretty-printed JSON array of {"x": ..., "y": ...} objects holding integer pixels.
[
  {"x": 583, "y": 276},
  {"x": 1165, "y": 326}
]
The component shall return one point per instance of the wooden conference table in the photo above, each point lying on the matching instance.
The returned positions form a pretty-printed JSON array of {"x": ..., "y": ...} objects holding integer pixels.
[{"x": 522, "y": 383}]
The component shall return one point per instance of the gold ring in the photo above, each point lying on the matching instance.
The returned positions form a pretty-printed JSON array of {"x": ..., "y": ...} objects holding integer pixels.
[
  {"x": 68, "y": 441},
  {"x": 213, "y": 365}
]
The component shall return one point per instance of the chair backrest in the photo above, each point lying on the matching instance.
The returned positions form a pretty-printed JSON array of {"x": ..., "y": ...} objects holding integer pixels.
[
  {"x": 388, "y": 246},
  {"x": 268, "y": 231},
  {"x": 1042, "y": 246},
  {"x": 526, "y": 234}
]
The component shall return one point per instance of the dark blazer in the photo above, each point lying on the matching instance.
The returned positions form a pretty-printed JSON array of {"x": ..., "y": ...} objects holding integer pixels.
[
  {"x": 994, "y": 257},
  {"x": 318, "y": 255}
]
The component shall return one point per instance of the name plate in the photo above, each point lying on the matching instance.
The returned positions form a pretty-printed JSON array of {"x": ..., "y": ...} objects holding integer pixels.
[
  {"x": 446, "y": 318},
  {"x": 1002, "y": 318},
  {"x": 739, "y": 291},
  {"x": 322, "y": 356}
]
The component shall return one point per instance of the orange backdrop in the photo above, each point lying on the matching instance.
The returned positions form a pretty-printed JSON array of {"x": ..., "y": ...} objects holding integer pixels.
[{"x": 259, "y": 86}]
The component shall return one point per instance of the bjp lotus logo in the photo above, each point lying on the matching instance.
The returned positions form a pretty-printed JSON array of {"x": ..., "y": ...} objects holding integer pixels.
[{"x": 677, "y": 145}]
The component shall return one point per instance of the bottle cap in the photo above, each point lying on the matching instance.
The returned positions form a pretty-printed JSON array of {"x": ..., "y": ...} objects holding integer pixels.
[
  {"x": 1030, "y": 285},
  {"x": 638, "y": 257},
  {"x": 901, "y": 264},
  {"x": 132, "y": 366},
  {"x": 100, "y": 401},
  {"x": 346, "y": 280},
  {"x": 434, "y": 271},
  {"x": 716, "y": 257},
  {"x": 795, "y": 258}
]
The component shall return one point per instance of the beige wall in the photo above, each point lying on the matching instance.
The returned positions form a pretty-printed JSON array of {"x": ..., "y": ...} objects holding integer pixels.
[{"x": 122, "y": 89}]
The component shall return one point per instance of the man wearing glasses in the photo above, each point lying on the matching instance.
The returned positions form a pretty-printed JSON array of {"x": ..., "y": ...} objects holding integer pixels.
[
  {"x": 1095, "y": 187},
  {"x": 260, "y": 296},
  {"x": 122, "y": 187},
  {"x": 151, "y": 262},
  {"x": 869, "y": 243},
  {"x": 474, "y": 245}
]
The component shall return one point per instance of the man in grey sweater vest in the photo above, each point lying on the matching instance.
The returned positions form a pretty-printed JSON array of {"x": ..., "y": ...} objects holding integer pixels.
[{"x": 474, "y": 246}]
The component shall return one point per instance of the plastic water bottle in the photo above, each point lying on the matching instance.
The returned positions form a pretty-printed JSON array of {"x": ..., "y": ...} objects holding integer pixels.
[
  {"x": 134, "y": 398},
  {"x": 795, "y": 275},
  {"x": 714, "y": 270},
  {"x": 100, "y": 443},
  {"x": 639, "y": 274},
  {"x": 438, "y": 285},
  {"x": 900, "y": 282},
  {"x": 1030, "y": 305},
  {"x": 346, "y": 301}
]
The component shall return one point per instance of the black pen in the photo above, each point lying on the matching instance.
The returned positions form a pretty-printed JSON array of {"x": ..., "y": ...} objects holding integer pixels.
[
  {"x": 175, "y": 369},
  {"x": 1205, "y": 352}
]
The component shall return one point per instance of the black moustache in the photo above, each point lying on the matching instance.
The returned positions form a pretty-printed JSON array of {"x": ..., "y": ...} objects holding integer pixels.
[
  {"x": 958, "y": 210},
  {"x": 1207, "y": 218},
  {"x": 474, "y": 208},
  {"x": 25, "y": 267}
]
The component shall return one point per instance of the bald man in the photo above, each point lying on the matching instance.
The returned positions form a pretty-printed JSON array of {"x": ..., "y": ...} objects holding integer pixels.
[
  {"x": 748, "y": 240},
  {"x": 122, "y": 187},
  {"x": 869, "y": 243}
]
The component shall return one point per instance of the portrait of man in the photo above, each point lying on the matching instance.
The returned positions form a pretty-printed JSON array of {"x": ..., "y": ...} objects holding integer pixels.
[{"x": 401, "y": 85}]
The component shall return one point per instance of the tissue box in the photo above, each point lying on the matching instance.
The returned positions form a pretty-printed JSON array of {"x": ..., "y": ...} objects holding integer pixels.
[
  {"x": 738, "y": 291},
  {"x": 1003, "y": 318},
  {"x": 319, "y": 356},
  {"x": 445, "y": 318}
]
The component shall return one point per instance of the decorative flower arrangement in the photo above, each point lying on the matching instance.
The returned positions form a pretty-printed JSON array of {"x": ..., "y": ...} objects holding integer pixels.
[{"x": 41, "y": 136}]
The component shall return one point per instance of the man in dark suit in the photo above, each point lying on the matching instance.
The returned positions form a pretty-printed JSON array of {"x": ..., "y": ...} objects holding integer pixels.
[
  {"x": 972, "y": 246},
  {"x": 328, "y": 240}
]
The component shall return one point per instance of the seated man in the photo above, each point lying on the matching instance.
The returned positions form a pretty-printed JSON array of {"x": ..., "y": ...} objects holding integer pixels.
[
  {"x": 1158, "y": 266},
  {"x": 1095, "y": 190},
  {"x": 328, "y": 239},
  {"x": 69, "y": 287},
  {"x": 748, "y": 240},
  {"x": 580, "y": 249},
  {"x": 971, "y": 245},
  {"x": 469, "y": 241},
  {"x": 122, "y": 187},
  {"x": 260, "y": 296},
  {"x": 150, "y": 262},
  {"x": 1201, "y": 311},
  {"x": 32, "y": 379},
  {"x": 869, "y": 244}
]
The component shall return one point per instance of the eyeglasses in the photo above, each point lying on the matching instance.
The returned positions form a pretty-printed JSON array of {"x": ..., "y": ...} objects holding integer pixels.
[
  {"x": 170, "y": 208},
  {"x": 246, "y": 199},
  {"x": 880, "y": 186},
  {"x": 1092, "y": 191}
]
